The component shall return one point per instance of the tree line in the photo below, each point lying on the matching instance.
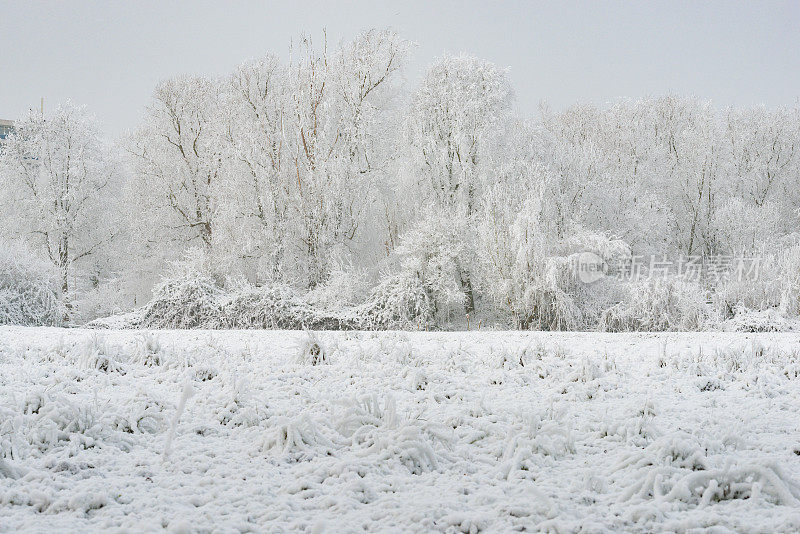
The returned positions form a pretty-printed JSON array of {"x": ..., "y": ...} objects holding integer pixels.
[{"x": 329, "y": 170}]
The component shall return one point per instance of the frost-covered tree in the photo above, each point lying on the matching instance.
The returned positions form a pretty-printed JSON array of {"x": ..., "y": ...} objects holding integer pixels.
[
  {"x": 255, "y": 206},
  {"x": 451, "y": 126},
  {"x": 307, "y": 148},
  {"x": 58, "y": 188},
  {"x": 176, "y": 160},
  {"x": 765, "y": 160}
]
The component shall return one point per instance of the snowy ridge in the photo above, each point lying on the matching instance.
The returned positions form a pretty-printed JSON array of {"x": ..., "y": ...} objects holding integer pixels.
[{"x": 351, "y": 431}]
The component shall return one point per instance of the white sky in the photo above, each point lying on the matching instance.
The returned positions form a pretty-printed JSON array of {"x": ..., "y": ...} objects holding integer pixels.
[{"x": 109, "y": 55}]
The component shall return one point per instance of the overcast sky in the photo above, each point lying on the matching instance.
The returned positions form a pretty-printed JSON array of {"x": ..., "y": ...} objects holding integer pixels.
[{"x": 109, "y": 55}]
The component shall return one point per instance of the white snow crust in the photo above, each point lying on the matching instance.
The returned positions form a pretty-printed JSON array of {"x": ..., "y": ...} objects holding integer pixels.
[{"x": 256, "y": 431}]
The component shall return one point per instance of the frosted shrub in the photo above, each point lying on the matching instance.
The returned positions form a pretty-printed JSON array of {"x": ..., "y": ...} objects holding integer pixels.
[
  {"x": 531, "y": 276},
  {"x": 198, "y": 297},
  {"x": 790, "y": 288},
  {"x": 548, "y": 301},
  {"x": 595, "y": 297},
  {"x": 276, "y": 307},
  {"x": 399, "y": 301},
  {"x": 189, "y": 301},
  {"x": 743, "y": 226},
  {"x": 772, "y": 287},
  {"x": 741, "y": 294},
  {"x": 428, "y": 286},
  {"x": 251, "y": 307},
  {"x": 196, "y": 300},
  {"x": 107, "y": 298},
  {"x": 29, "y": 293},
  {"x": 746, "y": 320},
  {"x": 658, "y": 304},
  {"x": 345, "y": 286}
]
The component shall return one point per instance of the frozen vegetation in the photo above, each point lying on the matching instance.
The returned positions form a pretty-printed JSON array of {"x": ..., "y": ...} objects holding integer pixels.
[
  {"x": 333, "y": 192},
  {"x": 349, "y": 431}
]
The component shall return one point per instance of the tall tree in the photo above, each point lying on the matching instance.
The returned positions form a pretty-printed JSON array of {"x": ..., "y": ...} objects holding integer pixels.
[
  {"x": 58, "y": 185},
  {"x": 462, "y": 102},
  {"x": 307, "y": 145},
  {"x": 177, "y": 161}
]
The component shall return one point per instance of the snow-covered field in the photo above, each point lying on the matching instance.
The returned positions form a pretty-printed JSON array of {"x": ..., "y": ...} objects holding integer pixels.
[{"x": 491, "y": 431}]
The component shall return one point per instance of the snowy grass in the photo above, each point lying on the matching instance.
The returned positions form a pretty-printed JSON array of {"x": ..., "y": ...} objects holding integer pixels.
[{"x": 350, "y": 431}]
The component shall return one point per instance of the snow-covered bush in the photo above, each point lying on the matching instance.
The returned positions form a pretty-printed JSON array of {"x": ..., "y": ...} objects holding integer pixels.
[
  {"x": 346, "y": 286},
  {"x": 106, "y": 298},
  {"x": 611, "y": 249},
  {"x": 435, "y": 250},
  {"x": 549, "y": 295},
  {"x": 529, "y": 272},
  {"x": 658, "y": 304},
  {"x": 29, "y": 293},
  {"x": 759, "y": 282},
  {"x": 771, "y": 285},
  {"x": 533, "y": 287},
  {"x": 771, "y": 320},
  {"x": 189, "y": 301},
  {"x": 593, "y": 298},
  {"x": 743, "y": 227},
  {"x": 427, "y": 289},
  {"x": 789, "y": 263},
  {"x": 196, "y": 300},
  {"x": 246, "y": 306},
  {"x": 399, "y": 301},
  {"x": 548, "y": 298},
  {"x": 733, "y": 295}
]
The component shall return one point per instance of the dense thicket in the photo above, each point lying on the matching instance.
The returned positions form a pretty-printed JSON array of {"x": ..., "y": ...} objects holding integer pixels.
[
  {"x": 328, "y": 177},
  {"x": 28, "y": 288}
]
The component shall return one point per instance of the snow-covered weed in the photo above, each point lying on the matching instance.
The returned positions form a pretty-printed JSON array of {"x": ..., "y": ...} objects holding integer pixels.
[
  {"x": 533, "y": 439},
  {"x": 238, "y": 413},
  {"x": 311, "y": 350},
  {"x": 717, "y": 366},
  {"x": 298, "y": 436},
  {"x": 635, "y": 432},
  {"x": 49, "y": 421},
  {"x": 97, "y": 354},
  {"x": 701, "y": 488},
  {"x": 680, "y": 450},
  {"x": 638, "y": 428},
  {"x": 149, "y": 350},
  {"x": 376, "y": 430},
  {"x": 143, "y": 416}
]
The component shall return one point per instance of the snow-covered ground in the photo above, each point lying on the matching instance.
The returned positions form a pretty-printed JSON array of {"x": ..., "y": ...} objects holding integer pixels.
[{"x": 491, "y": 431}]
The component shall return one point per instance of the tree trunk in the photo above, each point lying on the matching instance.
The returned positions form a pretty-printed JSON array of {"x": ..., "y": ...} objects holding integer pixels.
[
  {"x": 63, "y": 260},
  {"x": 466, "y": 285}
]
